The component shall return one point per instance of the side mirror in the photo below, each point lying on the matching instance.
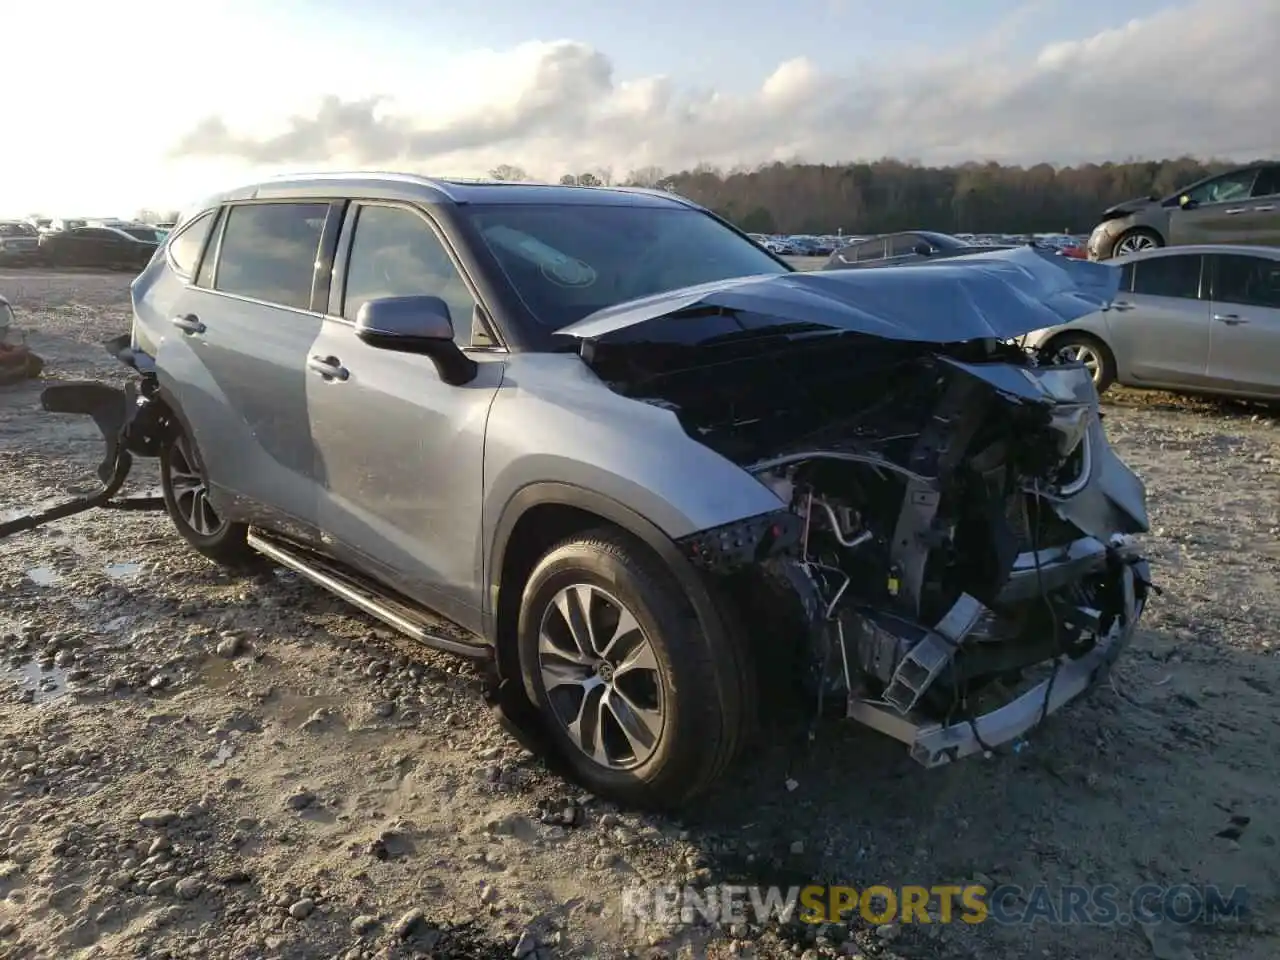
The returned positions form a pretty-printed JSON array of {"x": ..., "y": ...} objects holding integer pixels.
[
  {"x": 923, "y": 249},
  {"x": 420, "y": 325},
  {"x": 1185, "y": 202}
]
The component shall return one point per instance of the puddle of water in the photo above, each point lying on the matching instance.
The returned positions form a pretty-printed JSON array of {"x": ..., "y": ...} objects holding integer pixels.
[
  {"x": 45, "y": 684},
  {"x": 44, "y": 576},
  {"x": 122, "y": 571}
]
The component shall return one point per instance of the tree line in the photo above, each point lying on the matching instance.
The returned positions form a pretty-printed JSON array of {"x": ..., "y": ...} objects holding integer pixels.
[{"x": 888, "y": 195}]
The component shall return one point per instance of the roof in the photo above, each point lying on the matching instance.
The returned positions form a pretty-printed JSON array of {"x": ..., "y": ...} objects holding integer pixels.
[
  {"x": 412, "y": 187},
  {"x": 1250, "y": 250}
]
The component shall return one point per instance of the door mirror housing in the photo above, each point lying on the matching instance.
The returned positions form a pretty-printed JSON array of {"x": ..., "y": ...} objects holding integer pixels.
[
  {"x": 1186, "y": 203},
  {"x": 420, "y": 325},
  {"x": 923, "y": 249}
]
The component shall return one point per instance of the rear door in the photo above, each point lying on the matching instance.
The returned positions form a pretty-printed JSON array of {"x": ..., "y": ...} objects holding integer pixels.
[
  {"x": 1219, "y": 212},
  {"x": 1264, "y": 217},
  {"x": 1244, "y": 352},
  {"x": 236, "y": 356},
  {"x": 1160, "y": 328},
  {"x": 399, "y": 452}
]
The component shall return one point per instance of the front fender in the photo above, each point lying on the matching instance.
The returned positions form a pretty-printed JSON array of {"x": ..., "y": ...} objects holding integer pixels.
[
  {"x": 557, "y": 434},
  {"x": 554, "y": 421}
]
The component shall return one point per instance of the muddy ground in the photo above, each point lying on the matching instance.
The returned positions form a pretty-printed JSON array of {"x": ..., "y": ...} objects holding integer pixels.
[{"x": 194, "y": 764}]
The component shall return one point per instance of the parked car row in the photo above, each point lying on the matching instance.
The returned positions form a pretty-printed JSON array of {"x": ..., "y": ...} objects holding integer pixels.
[{"x": 115, "y": 244}]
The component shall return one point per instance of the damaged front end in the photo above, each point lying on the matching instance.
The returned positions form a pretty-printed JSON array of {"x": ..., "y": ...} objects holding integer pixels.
[{"x": 955, "y": 549}]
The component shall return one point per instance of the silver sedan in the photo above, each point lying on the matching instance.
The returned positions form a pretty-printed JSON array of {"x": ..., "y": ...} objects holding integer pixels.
[{"x": 1202, "y": 319}]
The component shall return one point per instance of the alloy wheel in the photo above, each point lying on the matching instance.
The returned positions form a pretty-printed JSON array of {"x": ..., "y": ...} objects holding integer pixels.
[
  {"x": 1135, "y": 242},
  {"x": 1082, "y": 353},
  {"x": 190, "y": 492},
  {"x": 601, "y": 677}
]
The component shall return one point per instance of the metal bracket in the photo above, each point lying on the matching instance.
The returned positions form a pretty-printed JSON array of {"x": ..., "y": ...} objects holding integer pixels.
[{"x": 928, "y": 658}]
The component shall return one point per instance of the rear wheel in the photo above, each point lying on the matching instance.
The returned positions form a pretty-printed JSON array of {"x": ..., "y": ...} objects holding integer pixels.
[
  {"x": 1089, "y": 351},
  {"x": 613, "y": 656},
  {"x": 186, "y": 498}
]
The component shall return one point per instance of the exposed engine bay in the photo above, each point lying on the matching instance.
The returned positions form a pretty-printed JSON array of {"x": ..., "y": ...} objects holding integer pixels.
[{"x": 954, "y": 522}]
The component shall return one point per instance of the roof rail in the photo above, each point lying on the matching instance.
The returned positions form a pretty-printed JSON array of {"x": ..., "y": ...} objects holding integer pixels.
[
  {"x": 440, "y": 186},
  {"x": 652, "y": 192}
]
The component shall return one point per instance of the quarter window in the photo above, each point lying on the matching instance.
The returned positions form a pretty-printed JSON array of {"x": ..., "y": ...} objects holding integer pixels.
[
  {"x": 1252, "y": 281},
  {"x": 185, "y": 246},
  {"x": 1171, "y": 276},
  {"x": 269, "y": 251},
  {"x": 395, "y": 253}
]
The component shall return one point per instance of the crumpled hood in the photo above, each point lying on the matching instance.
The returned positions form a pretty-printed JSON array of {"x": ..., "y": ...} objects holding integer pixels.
[
  {"x": 1000, "y": 294},
  {"x": 1128, "y": 206}
]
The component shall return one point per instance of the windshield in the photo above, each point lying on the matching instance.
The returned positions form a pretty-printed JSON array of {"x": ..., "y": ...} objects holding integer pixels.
[
  {"x": 568, "y": 261},
  {"x": 16, "y": 230}
]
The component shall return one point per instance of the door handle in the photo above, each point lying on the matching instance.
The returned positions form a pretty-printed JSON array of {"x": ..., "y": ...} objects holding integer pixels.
[
  {"x": 1234, "y": 210},
  {"x": 328, "y": 367},
  {"x": 1266, "y": 209},
  {"x": 1230, "y": 319},
  {"x": 1122, "y": 305},
  {"x": 188, "y": 324}
]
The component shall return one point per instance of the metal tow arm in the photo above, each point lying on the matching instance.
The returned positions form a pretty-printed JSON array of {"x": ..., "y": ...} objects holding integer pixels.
[{"x": 114, "y": 411}]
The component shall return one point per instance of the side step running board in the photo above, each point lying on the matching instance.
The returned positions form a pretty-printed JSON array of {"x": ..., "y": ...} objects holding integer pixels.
[{"x": 375, "y": 600}]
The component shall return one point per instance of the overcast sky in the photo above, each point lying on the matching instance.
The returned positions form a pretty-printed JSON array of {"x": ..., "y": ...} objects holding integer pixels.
[{"x": 110, "y": 106}]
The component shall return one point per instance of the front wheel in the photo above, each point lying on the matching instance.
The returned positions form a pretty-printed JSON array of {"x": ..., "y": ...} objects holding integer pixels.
[
  {"x": 613, "y": 656},
  {"x": 1089, "y": 351},
  {"x": 185, "y": 488},
  {"x": 1132, "y": 241}
]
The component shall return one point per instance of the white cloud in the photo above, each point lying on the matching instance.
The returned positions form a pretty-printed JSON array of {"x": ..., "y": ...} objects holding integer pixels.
[{"x": 1201, "y": 78}]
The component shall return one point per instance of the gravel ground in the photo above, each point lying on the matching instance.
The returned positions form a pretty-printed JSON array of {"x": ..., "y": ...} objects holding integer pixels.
[{"x": 199, "y": 765}]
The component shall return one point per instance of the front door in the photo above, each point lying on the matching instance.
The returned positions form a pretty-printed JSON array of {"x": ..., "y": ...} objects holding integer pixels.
[
  {"x": 1162, "y": 325},
  {"x": 1244, "y": 351},
  {"x": 399, "y": 452},
  {"x": 1218, "y": 212}
]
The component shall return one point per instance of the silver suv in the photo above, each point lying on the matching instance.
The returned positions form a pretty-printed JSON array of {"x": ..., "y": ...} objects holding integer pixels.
[{"x": 603, "y": 442}]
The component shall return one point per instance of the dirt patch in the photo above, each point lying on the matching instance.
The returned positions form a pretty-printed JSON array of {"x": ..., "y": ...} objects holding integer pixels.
[{"x": 196, "y": 764}]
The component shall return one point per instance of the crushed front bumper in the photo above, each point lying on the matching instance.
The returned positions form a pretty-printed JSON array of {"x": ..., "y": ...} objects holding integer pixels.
[{"x": 933, "y": 744}]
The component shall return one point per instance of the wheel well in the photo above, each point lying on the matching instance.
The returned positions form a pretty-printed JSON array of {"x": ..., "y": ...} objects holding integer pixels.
[
  {"x": 537, "y": 530},
  {"x": 1142, "y": 228},
  {"x": 1053, "y": 342}
]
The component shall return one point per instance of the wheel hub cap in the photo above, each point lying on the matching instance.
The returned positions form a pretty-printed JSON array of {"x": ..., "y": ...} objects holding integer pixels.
[
  {"x": 190, "y": 492},
  {"x": 601, "y": 677}
]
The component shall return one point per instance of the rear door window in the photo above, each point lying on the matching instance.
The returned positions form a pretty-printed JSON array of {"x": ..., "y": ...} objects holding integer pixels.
[
  {"x": 870, "y": 250},
  {"x": 1268, "y": 182},
  {"x": 903, "y": 245},
  {"x": 1171, "y": 276},
  {"x": 1250, "y": 281},
  {"x": 269, "y": 252}
]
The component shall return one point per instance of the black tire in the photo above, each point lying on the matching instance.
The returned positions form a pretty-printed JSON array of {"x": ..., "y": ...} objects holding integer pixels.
[
  {"x": 700, "y": 687},
  {"x": 1103, "y": 369},
  {"x": 222, "y": 542},
  {"x": 1140, "y": 238}
]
